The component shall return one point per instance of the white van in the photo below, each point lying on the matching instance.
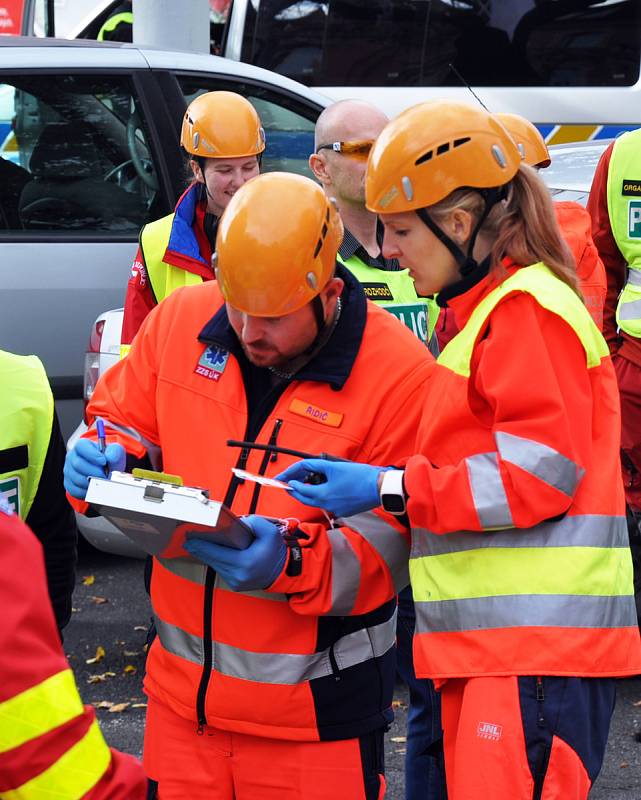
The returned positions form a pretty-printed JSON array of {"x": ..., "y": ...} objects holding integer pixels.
[{"x": 570, "y": 66}]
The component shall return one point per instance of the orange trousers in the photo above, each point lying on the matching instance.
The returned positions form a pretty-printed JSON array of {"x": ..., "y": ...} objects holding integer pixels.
[
  {"x": 220, "y": 765},
  {"x": 485, "y": 745}
]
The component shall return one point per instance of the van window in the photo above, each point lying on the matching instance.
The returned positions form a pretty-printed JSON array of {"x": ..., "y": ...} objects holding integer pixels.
[
  {"x": 74, "y": 155},
  {"x": 289, "y": 127},
  {"x": 413, "y": 42}
]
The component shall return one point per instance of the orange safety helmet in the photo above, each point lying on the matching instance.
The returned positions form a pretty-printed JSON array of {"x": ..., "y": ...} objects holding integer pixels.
[
  {"x": 222, "y": 125},
  {"x": 432, "y": 149},
  {"x": 527, "y": 136},
  {"x": 276, "y": 244}
]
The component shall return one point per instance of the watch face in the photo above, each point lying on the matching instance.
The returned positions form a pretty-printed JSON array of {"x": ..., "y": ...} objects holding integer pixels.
[{"x": 393, "y": 503}]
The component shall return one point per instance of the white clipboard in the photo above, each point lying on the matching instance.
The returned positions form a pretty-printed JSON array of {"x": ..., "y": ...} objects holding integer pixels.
[{"x": 161, "y": 516}]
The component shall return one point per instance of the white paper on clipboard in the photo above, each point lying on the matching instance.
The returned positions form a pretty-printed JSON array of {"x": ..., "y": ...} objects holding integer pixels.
[{"x": 261, "y": 479}]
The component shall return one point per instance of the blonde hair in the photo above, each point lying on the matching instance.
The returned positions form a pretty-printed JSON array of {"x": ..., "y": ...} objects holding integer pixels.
[{"x": 522, "y": 227}]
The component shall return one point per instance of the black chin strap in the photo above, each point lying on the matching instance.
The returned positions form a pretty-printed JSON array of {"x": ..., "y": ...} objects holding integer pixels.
[{"x": 467, "y": 264}]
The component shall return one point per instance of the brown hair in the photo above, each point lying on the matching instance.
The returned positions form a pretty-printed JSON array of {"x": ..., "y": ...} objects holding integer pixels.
[{"x": 523, "y": 226}]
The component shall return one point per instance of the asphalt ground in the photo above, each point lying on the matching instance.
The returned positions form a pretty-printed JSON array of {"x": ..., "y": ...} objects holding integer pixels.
[{"x": 111, "y": 614}]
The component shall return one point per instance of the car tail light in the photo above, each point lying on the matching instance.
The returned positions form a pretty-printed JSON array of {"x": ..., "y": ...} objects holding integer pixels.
[{"x": 92, "y": 364}]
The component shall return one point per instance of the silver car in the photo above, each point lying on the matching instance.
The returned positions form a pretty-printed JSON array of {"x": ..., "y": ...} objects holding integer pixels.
[{"x": 89, "y": 152}]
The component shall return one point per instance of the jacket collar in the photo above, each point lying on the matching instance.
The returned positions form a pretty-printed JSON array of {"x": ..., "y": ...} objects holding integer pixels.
[
  {"x": 183, "y": 247},
  {"x": 333, "y": 364}
]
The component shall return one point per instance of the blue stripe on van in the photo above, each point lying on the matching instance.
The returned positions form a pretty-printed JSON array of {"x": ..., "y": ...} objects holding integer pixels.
[{"x": 289, "y": 144}]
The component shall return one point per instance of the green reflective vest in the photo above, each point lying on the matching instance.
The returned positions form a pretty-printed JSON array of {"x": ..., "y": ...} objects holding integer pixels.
[
  {"x": 624, "y": 210},
  {"x": 26, "y": 419},
  {"x": 112, "y": 23},
  {"x": 394, "y": 290},
  {"x": 163, "y": 277}
]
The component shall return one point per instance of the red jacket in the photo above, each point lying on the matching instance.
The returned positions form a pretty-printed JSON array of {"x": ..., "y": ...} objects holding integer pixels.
[
  {"x": 188, "y": 249},
  {"x": 616, "y": 268},
  {"x": 312, "y": 657},
  {"x": 47, "y": 737}
]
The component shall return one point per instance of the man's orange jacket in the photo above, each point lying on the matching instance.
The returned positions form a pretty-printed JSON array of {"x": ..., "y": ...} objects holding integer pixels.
[
  {"x": 313, "y": 656},
  {"x": 50, "y": 745}
]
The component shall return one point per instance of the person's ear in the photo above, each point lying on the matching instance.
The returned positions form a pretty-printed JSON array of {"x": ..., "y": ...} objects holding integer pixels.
[
  {"x": 197, "y": 171},
  {"x": 460, "y": 224},
  {"x": 318, "y": 165}
]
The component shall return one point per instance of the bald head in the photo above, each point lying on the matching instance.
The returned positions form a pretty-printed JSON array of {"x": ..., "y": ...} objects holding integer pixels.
[{"x": 349, "y": 120}]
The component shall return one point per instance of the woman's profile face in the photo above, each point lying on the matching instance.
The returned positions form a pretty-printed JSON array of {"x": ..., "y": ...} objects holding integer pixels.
[{"x": 431, "y": 265}]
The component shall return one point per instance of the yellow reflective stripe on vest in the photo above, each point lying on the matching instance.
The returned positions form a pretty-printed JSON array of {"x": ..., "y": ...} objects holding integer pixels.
[
  {"x": 26, "y": 418},
  {"x": 72, "y": 776},
  {"x": 281, "y": 668},
  {"x": 493, "y": 571},
  {"x": 551, "y": 293},
  {"x": 419, "y": 314},
  {"x": 38, "y": 710},
  {"x": 112, "y": 23},
  {"x": 164, "y": 278}
]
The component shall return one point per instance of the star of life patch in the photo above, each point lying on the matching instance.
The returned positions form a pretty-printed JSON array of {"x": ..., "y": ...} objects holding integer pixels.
[{"x": 212, "y": 362}]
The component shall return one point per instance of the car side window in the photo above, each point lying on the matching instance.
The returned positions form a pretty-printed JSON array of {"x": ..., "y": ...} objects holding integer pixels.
[
  {"x": 74, "y": 155},
  {"x": 289, "y": 126}
]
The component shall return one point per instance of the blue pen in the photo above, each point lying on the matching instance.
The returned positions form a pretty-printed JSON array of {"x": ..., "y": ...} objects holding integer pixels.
[{"x": 102, "y": 440}]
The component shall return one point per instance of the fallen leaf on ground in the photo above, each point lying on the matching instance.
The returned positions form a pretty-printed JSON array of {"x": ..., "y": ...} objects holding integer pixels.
[
  {"x": 88, "y": 580},
  {"x": 103, "y": 704},
  {"x": 140, "y": 628},
  {"x": 131, "y": 653},
  {"x": 101, "y": 678},
  {"x": 100, "y": 654},
  {"x": 139, "y": 705},
  {"x": 623, "y": 765},
  {"x": 98, "y": 600},
  {"x": 638, "y": 703},
  {"x": 401, "y": 752},
  {"x": 398, "y": 739},
  {"x": 117, "y": 708},
  {"x": 399, "y": 704},
  {"x": 129, "y": 669}
]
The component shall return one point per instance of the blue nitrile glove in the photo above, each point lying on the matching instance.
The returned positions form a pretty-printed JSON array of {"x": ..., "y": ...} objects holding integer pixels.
[
  {"x": 86, "y": 461},
  {"x": 348, "y": 488},
  {"x": 256, "y": 567}
]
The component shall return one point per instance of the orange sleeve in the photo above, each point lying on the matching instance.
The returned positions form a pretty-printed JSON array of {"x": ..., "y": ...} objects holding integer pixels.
[
  {"x": 536, "y": 392},
  {"x": 362, "y": 563},
  {"x": 139, "y": 299}
]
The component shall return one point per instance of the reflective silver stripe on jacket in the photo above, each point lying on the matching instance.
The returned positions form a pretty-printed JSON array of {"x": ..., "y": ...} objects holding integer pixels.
[
  {"x": 527, "y": 610},
  {"x": 281, "y": 668},
  {"x": 389, "y": 543},
  {"x": 488, "y": 492},
  {"x": 540, "y": 460},
  {"x": 197, "y": 573},
  {"x": 153, "y": 450},
  {"x": 629, "y": 310},
  {"x": 346, "y": 573},
  {"x": 634, "y": 277},
  {"x": 592, "y": 530}
]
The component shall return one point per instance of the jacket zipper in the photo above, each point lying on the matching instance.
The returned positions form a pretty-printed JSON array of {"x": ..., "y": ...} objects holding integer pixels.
[
  {"x": 251, "y": 431},
  {"x": 263, "y": 465},
  {"x": 545, "y": 755}
]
